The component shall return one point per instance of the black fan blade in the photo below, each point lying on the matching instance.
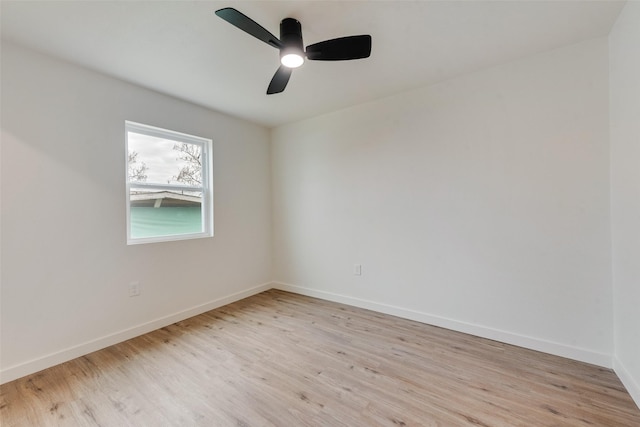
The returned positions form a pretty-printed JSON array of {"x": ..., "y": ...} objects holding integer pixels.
[
  {"x": 279, "y": 80},
  {"x": 341, "y": 49},
  {"x": 249, "y": 26}
]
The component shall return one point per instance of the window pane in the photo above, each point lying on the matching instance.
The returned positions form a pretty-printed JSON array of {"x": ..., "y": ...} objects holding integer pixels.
[
  {"x": 164, "y": 213},
  {"x": 169, "y": 185},
  {"x": 157, "y": 160}
]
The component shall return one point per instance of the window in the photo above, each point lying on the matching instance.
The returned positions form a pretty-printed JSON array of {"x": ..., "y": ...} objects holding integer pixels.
[{"x": 169, "y": 185}]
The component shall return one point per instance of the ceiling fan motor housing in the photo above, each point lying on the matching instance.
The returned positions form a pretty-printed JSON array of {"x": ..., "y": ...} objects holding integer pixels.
[{"x": 291, "y": 36}]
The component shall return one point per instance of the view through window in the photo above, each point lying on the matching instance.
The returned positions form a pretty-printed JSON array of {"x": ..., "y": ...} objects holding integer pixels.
[{"x": 169, "y": 189}]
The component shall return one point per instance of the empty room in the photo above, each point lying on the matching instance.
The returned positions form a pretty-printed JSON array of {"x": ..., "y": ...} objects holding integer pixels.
[{"x": 320, "y": 213}]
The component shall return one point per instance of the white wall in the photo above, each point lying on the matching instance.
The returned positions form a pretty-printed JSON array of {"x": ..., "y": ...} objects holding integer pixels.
[
  {"x": 624, "y": 48},
  {"x": 65, "y": 263},
  {"x": 479, "y": 204}
]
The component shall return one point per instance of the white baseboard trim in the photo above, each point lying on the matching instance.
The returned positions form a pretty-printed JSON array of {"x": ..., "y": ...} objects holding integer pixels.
[
  {"x": 558, "y": 349},
  {"x": 32, "y": 366},
  {"x": 628, "y": 381}
]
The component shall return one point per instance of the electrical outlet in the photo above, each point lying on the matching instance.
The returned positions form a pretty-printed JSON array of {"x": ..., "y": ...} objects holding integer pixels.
[
  {"x": 134, "y": 289},
  {"x": 357, "y": 270}
]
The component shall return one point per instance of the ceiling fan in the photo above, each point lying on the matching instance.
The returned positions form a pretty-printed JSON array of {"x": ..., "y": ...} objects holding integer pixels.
[{"x": 291, "y": 49}]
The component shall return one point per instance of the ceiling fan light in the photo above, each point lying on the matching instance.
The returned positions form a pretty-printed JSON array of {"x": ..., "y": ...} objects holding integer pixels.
[{"x": 292, "y": 60}]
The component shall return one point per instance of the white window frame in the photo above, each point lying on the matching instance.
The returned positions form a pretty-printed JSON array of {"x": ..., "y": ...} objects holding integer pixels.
[{"x": 206, "y": 146}]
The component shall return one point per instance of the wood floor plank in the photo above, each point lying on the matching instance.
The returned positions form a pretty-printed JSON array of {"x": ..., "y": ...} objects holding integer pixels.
[{"x": 280, "y": 359}]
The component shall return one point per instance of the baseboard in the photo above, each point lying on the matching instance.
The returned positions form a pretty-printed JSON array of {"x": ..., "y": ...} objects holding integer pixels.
[
  {"x": 17, "y": 371},
  {"x": 628, "y": 381},
  {"x": 558, "y": 349}
]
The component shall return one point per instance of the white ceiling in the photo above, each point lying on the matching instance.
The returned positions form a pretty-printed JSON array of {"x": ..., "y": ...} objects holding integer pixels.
[{"x": 183, "y": 49}]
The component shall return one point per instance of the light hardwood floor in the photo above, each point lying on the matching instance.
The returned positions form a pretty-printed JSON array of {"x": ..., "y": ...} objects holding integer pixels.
[{"x": 280, "y": 359}]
